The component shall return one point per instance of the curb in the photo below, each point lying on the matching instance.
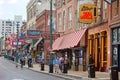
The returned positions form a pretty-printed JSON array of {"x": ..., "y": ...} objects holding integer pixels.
[{"x": 56, "y": 75}]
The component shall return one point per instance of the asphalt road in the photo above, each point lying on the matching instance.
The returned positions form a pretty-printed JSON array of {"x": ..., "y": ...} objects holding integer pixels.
[{"x": 8, "y": 71}]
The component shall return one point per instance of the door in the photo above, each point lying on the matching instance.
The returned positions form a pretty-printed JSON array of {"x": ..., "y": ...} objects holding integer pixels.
[{"x": 119, "y": 57}]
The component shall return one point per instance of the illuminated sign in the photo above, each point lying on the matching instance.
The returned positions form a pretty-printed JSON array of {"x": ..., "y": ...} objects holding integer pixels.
[
  {"x": 33, "y": 33},
  {"x": 87, "y": 13}
]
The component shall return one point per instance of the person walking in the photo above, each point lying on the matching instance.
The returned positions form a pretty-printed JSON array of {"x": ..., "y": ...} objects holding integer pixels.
[
  {"x": 21, "y": 57},
  {"x": 29, "y": 59},
  {"x": 61, "y": 64},
  {"x": 56, "y": 63}
]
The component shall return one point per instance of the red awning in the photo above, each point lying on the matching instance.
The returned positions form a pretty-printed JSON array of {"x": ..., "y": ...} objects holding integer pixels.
[
  {"x": 57, "y": 43},
  {"x": 68, "y": 41}
]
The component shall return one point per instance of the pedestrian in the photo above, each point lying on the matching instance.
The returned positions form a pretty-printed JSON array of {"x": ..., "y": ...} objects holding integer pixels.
[
  {"x": 65, "y": 69},
  {"x": 29, "y": 59},
  {"x": 61, "y": 64},
  {"x": 21, "y": 57},
  {"x": 56, "y": 64}
]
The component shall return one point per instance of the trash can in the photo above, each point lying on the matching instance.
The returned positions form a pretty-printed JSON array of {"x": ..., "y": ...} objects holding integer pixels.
[
  {"x": 91, "y": 71},
  {"x": 113, "y": 73},
  {"x": 42, "y": 67}
]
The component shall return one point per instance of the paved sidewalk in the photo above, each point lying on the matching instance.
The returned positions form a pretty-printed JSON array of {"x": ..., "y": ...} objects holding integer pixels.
[{"x": 71, "y": 73}]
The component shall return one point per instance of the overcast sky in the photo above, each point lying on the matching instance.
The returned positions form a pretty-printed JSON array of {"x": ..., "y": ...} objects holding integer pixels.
[{"x": 9, "y": 8}]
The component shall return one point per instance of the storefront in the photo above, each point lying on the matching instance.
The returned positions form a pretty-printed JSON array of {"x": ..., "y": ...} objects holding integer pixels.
[
  {"x": 74, "y": 47},
  {"x": 98, "y": 46},
  {"x": 115, "y": 45}
]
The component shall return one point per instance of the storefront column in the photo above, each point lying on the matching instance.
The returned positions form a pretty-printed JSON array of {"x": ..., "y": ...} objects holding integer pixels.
[
  {"x": 96, "y": 49},
  {"x": 102, "y": 48},
  {"x": 90, "y": 44}
]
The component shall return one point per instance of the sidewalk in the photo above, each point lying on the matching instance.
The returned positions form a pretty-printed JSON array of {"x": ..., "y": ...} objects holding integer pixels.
[{"x": 71, "y": 73}]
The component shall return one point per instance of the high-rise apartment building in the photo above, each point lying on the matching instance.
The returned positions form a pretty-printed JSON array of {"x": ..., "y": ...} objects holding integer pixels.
[{"x": 8, "y": 27}]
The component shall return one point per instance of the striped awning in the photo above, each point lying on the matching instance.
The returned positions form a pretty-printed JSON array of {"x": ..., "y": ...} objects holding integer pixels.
[{"x": 68, "y": 41}]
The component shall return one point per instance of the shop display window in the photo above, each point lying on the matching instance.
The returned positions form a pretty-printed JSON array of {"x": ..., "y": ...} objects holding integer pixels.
[
  {"x": 115, "y": 55},
  {"x": 114, "y": 35}
]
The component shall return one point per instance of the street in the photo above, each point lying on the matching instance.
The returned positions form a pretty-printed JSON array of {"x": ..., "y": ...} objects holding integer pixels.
[{"x": 8, "y": 71}]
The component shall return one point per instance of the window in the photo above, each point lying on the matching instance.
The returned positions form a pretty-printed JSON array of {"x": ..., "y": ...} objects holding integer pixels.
[
  {"x": 64, "y": 20},
  {"x": 114, "y": 34},
  {"x": 104, "y": 9},
  {"x": 116, "y": 7},
  {"x": 59, "y": 22},
  {"x": 59, "y": 3},
  {"x": 68, "y": 0},
  {"x": 69, "y": 17},
  {"x": 99, "y": 10}
]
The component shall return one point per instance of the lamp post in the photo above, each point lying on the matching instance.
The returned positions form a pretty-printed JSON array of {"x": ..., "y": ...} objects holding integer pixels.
[
  {"x": 51, "y": 61},
  {"x": 17, "y": 44}
]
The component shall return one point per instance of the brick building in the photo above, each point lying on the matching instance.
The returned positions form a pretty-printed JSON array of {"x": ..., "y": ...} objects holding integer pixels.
[
  {"x": 43, "y": 24},
  {"x": 114, "y": 24}
]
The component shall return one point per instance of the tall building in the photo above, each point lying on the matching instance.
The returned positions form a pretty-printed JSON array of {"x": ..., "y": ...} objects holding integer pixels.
[{"x": 10, "y": 26}]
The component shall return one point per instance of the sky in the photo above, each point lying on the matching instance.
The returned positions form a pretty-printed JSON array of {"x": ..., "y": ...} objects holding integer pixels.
[{"x": 9, "y": 8}]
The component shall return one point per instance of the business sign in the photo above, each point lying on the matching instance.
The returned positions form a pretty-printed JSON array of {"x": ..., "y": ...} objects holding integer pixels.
[
  {"x": 110, "y": 1},
  {"x": 87, "y": 13},
  {"x": 33, "y": 33},
  {"x": 15, "y": 43}
]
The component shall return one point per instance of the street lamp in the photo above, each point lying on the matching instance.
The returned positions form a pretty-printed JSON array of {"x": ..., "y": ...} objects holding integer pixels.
[
  {"x": 51, "y": 59},
  {"x": 17, "y": 25}
]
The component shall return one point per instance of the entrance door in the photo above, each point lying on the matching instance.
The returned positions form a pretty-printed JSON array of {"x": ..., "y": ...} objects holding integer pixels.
[
  {"x": 119, "y": 57},
  {"x": 98, "y": 54}
]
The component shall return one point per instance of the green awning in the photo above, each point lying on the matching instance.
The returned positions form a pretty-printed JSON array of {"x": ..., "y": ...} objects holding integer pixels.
[{"x": 37, "y": 42}]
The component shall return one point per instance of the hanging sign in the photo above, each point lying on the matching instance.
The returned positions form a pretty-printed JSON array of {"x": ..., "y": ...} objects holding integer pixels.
[{"x": 87, "y": 13}]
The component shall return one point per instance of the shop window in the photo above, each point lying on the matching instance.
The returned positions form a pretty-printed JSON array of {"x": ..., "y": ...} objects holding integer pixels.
[
  {"x": 115, "y": 56},
  {"x": 81, "y": 57},
  {"x": 114, "y": 35}
]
